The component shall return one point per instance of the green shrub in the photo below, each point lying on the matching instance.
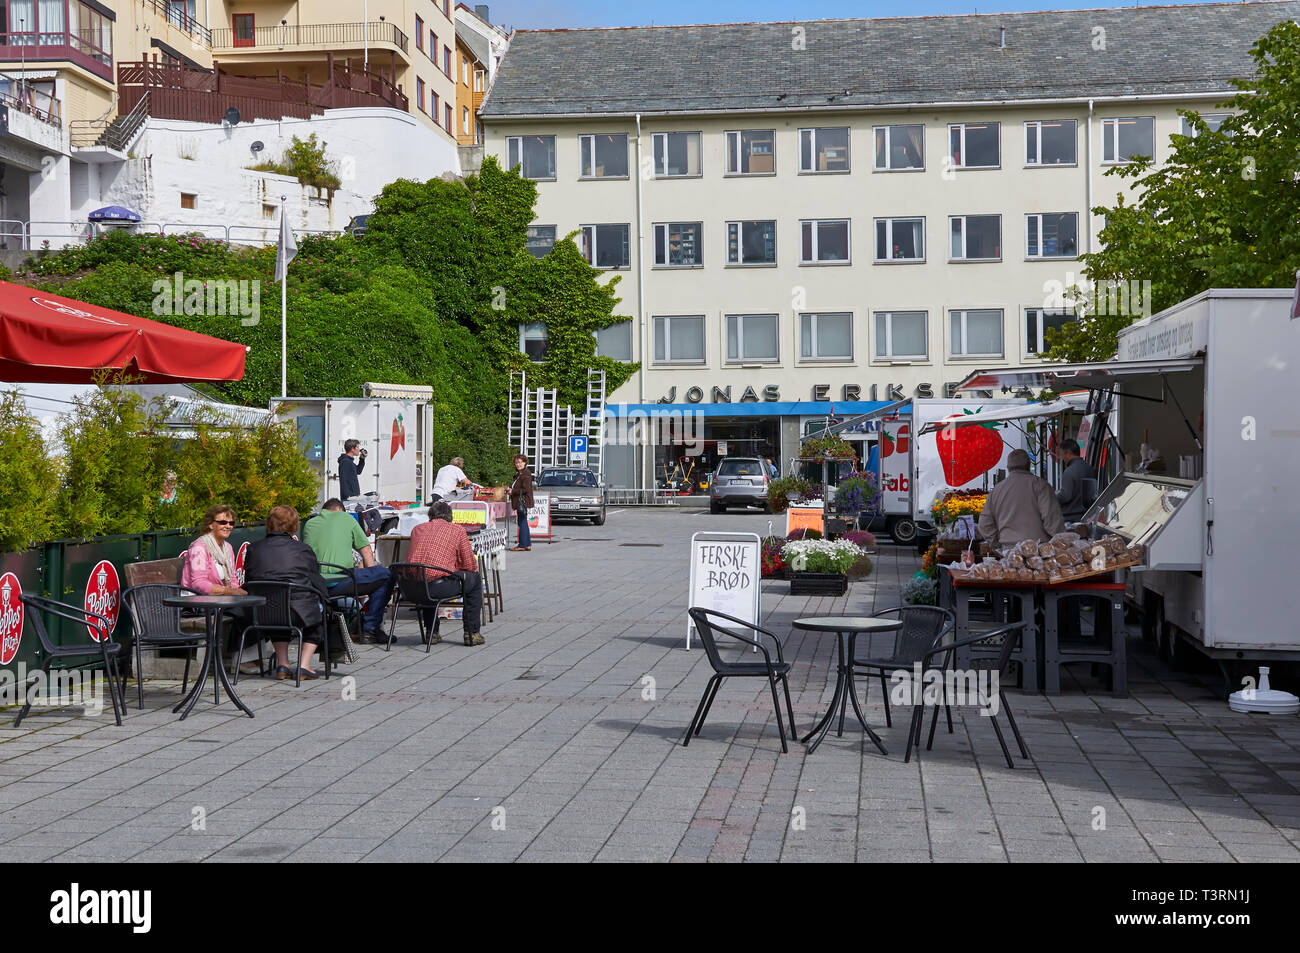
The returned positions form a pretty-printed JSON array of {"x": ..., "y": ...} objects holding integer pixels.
[
  {"x": 28, "y": 477},
  {"x": 921, "y": 591},
  {"x": 305, "y": 160},
  {"x": 482, "y": 441}
]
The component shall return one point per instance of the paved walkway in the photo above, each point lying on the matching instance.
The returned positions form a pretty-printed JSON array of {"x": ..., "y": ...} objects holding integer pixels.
[{"x": 546, "y": 745}]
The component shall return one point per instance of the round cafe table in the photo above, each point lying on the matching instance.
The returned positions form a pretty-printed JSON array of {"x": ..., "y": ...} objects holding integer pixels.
[
  {"x": 212, "y": 607},
  {"x": 846, "y": 630}
]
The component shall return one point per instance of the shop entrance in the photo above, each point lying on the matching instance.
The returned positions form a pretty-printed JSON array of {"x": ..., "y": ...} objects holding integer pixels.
[{"x": 688, "y": 465}]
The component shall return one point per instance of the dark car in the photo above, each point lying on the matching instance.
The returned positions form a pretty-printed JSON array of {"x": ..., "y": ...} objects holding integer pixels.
[
  {"x": 740, "y": 481},
  {"x": 575, "y": 492},
  {"x": 357, "y": 226}
]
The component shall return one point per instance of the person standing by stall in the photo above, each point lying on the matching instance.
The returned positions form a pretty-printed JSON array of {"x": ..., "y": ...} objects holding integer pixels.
[
  {"x": 449, "y": 479},
  {"x": 351, "y": 462},
  {"x": 1078, "y": 483},
  {"x": 521, "y": 498},
  {"x": 1023, "y": 506}
]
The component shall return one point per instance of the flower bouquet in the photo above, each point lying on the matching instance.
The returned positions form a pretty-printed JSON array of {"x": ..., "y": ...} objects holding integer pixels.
[{"x": 957, "y": 503}]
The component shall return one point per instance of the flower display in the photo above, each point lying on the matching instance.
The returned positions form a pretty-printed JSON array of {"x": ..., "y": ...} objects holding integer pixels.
[
  {"x": 821, "y": 555},
  {"x": 772, "y": 562},
  {"x": 958, "y": 503},
  {"x": 856, "y": 493}
]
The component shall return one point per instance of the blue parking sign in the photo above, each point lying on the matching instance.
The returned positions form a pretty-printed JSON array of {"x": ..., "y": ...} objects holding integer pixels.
[{"x": 578, "y": 444}]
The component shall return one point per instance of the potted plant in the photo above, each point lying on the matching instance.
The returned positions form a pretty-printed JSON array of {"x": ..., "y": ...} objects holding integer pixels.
[
  {"x": 820, "y": 566},
  {"x": 773, "y": 563}
]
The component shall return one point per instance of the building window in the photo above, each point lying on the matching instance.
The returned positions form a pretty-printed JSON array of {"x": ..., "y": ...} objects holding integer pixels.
[
  {"x": 615, "y": 341},
  {"x": 268, "y": 211},
  {"x": 606, "y": 246},
  {"x": 532, "y": 341},
  {"x": 751, "y": 243},
  {"x": 480, "y": 79},
  {"x": 534, "y": 155},
  {"x": 679, "y": 339},
  {"x": 1052, "y": 235},
  {"x": 419, "y": 34},
  {"x": 826, "y": 337},
  {"x": 824, "y": 150},
  {"x": 446, "y": 8},
  {"x": 188, "y": 199},
  {"x": 975, "y": 333},
  {"x": 824, "y": 241},
  {"x": 464, "y": 119},
  {"x": 464, "y": 72},
  {"x": 540, "y": 240},
  {"x": 1212, "y": 120},
  {"x": 899, "y": 148},
  {"x": 679, "y": 244},
  {"x": 751, "y": 152},
  {"x": 1054, "y": 142},
  {"x": 433, "y": 106},
  {"x": 1124, "y": 139},
  {"x": 900, "y": 239},
  {"x": 1037, "y": 321},
  {"x": 446, "y": 60},
  {"x": 676, "y": 153},
  {"x": 446, "y": 117},
  {"x": 433, "y": 45},
  {"x": 419, "y": 94},
  {"x": 975, "y": 145},
  {"x": 604, "y": 156},
  {"x": 752, "y": 339},
  {"x": 902, "y": 336},
  {"x": 976, "y": 237}
]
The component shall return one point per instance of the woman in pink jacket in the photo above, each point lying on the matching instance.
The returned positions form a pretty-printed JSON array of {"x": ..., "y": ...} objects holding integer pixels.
[{"x": 209, "y": 568}]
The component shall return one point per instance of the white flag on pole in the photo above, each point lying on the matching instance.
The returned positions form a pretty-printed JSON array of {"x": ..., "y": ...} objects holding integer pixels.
[{"x": 287, "y": 248}]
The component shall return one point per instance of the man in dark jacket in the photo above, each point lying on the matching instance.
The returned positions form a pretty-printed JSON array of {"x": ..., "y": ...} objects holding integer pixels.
[
  {"x": 1078, "y": 483},
  {"x": 281, "y": 558},
  {"x": 351, "y": 462}
]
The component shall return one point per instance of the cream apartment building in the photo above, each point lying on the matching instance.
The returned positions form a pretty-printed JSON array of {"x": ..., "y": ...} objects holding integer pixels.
[{"x": 817, "y": 218}]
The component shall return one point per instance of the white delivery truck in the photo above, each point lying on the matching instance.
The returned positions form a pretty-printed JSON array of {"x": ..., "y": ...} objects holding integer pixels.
[
  {"x": 913, "y": 471},
  {"x": 1209, "y": 387},
  {"x": 394, "y": 423}
]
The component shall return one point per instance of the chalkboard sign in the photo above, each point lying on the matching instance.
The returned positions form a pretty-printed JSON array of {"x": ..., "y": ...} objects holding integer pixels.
[{"x": 726, "y": 571}]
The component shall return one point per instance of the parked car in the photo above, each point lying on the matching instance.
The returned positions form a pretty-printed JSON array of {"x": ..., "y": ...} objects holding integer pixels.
[
  {"x": 740, "y": 481},
  {"x": 357, "y": 226},
  {"x": 575, "y": 492}
]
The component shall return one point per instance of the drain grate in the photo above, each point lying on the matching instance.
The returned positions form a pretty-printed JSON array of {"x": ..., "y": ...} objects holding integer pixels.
[{"x": 651, "y": 545}]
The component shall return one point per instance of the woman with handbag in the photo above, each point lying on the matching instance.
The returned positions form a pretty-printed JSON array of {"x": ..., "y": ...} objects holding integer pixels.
[{"x": 521, "y": 498}]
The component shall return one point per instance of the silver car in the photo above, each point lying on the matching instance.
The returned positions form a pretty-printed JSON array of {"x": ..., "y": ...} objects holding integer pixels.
[
  {"x": 740, "y": 481},
  {"x": 575, "y": 492}
]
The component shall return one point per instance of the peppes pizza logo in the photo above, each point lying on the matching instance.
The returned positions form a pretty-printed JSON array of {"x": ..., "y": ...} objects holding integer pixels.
[
  {"x": 103, "y": 597},
  {"x": 64, "y": 308},
  {"x": 11, "y": 617},
  {"x": 239, "y": 564}
]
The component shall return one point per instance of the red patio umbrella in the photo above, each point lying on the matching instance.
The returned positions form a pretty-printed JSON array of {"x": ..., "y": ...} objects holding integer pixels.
[{"x": 45, "y": 338}]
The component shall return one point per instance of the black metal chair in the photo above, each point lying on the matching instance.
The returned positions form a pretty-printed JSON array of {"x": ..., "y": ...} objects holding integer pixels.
[
  {"x": 774, "y": 672},
  {"x": 107, "y": 650},
  {"x": 924, "y": 627},
  {"x": 158, "y": 627},
  {"x": 343, "y": 595},
  {"x": 1005, "y": 639},
  {"x": 277, "y": 616},
  {"x": 415, "y": 588}
]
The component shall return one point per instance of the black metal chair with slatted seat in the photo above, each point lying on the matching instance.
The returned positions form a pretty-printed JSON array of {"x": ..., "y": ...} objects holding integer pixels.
[
  {"x": 277, "y": 616},
  {"x": 924, "y": 627},
  {"x": 157, "y": 627},
  {"x": 415, "y": 589},
  {"x": 109, "y": 652}
]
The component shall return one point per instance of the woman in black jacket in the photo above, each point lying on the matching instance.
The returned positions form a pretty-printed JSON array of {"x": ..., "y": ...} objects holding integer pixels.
[
  {"x": 282, "y": 558},
  {"x": 521, "y": 498}
]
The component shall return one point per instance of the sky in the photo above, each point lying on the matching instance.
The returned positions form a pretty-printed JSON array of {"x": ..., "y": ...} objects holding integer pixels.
[{"x": 553, "y": 14}]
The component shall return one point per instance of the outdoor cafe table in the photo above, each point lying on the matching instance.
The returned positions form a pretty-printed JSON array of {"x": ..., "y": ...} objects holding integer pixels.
[
  {"x": 212, "y": 607},
  {"x": 846, "y": 629}
]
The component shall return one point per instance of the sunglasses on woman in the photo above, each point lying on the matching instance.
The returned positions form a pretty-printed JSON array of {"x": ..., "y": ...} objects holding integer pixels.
[{"x": 224, "y": 522}]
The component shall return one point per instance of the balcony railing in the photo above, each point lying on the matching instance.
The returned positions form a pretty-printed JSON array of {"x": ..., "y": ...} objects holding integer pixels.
[
  {"x": 176, "y": 15},
  {"x": 334, "y": 36},
  {"x": 23, "y": 97},
  {"x": 43, "y": 47}
]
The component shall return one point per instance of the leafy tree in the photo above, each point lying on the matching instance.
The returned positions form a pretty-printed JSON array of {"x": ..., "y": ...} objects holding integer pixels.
[
  {"x": 1221, "y": 212},
  {"x": 28, "y": 477}
]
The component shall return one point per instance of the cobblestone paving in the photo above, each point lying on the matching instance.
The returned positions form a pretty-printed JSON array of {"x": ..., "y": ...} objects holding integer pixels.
[{"x": 539, "y": 746}]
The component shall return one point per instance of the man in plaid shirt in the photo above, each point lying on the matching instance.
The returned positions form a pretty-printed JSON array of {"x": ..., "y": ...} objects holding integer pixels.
[{"x": 442, "y": 543}]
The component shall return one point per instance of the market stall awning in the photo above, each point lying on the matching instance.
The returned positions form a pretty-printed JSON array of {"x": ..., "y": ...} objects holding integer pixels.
[
  {"x": 1101, "y": 375},
  {"x": 1027, "y": 412},
  {"x": 51, "y": 339}
]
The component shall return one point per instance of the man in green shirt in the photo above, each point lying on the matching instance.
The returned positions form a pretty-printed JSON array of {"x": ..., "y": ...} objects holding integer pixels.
[{"x": 333, "y": 536}]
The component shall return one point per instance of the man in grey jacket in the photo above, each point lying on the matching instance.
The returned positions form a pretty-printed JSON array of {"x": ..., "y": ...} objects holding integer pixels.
[
  {"x": 1078, "y": 483},
  {"x": 1023, "y": 506}
]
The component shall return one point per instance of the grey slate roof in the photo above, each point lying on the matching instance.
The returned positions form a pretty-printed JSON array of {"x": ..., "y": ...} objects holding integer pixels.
[
  {"x": 880, "y": 62},
  {"x": 476, "y": 42}
]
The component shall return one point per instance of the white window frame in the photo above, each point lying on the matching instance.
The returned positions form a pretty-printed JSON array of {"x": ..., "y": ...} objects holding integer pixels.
[
  {"x": 665, "y": 226},
  {"x": 1190, "y": 133},
  {"x": 811, "y": 133},
  {"x": 480, "y": 80},
  {"x": 813, "y": 223},
  {"x": 658, "y": 137},
  {"x": 464, "y": 120},
  {"x": 588, "y": 245},
  {"x": 1041, "y": 328},
  {"x": 954, "y": 354},
  {"x": 740, "y": 245},
  {"x": 740, "y": 338},
  {"x": 890, "y": 356},
  {"x": 523, "y": 337},
  {"x": 963, "y": 126},
  {"x": 1034, "y": 134},
  {"x": 1038, "y": 217},
  {"x": 739, "y": 141},
  {"x": 889, "y": 135},
  {"x": 1110, "y": 138},
  {"x": 589, "y": 139},
  {"x": 889, "y": 240},
  {"x": 814, "y": 357},
  {"x": 965, "y": 232},
  {"x": 668, "y": 345},
  {"x": 517, "y": 142}
]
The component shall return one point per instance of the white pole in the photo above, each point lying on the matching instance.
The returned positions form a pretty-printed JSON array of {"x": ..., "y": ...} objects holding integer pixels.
[{"x": 284, "y": 321}]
